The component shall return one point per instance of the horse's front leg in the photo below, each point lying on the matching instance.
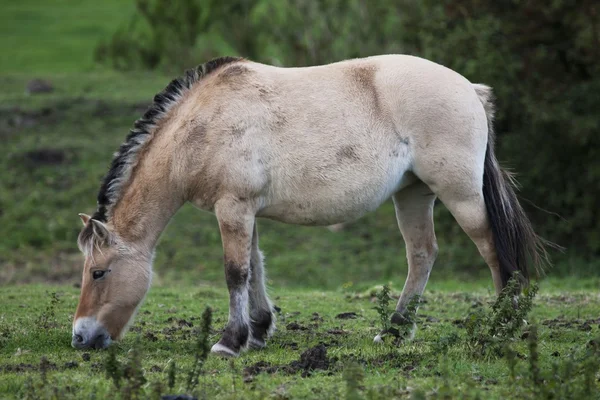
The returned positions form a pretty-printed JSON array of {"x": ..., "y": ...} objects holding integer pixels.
[{"x": 236, "y": 222}]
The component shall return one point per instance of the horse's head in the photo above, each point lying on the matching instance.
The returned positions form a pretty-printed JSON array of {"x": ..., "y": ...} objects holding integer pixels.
[{"x": 116, "y": 277}]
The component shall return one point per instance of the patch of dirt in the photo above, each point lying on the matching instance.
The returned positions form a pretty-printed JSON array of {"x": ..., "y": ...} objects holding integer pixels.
[
  {"x": 289, "y": 345},
  {"x": 86, "y": 357},
  {"x": 316, "y": 317},
  {"x": 294, "y": 326},
  {"x": 19, "y": 368},
  {"x": 585, "y": 325},
  {"x": 347, "y": 315},
  {"x": 45, "y": 157},
  {"x": 184, "y": 323},
  {"x": 23, "y": 367},
  {"x": 15, "y": 118},
  {"x": 39, "y": 86},
  {"x": 337, "y": 332},
  {"x": 311, "y": 360}
]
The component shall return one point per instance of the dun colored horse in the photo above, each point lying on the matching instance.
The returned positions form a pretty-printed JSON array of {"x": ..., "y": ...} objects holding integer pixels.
[{"x": 310, "y": 146}]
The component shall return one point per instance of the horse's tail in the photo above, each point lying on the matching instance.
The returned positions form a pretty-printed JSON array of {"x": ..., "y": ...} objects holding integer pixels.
[{"x": 514, "y": 238}]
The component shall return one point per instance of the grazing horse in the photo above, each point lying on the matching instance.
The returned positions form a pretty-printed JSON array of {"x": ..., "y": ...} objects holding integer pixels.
[{"x": 310, "y": 146}]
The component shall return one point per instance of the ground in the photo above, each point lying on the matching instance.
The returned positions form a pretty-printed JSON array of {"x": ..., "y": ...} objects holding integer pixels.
[{"x": 55, "y": 148}]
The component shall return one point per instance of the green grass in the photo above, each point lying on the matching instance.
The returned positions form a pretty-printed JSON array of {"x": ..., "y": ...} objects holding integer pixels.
[
  {"x": 56, "y": 37},
  {"x": 162, "y": 334}
]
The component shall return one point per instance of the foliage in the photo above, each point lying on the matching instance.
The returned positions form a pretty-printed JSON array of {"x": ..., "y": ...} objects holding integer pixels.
[
  {"x": 354, "y": 376},
  {"x": 488, "y": 332},
  {"x": 383, "y": 307},
  {"x": 572, "y": 377},
  {"x": 201, "y": 351},
  {"x": 47, "y": 318}
]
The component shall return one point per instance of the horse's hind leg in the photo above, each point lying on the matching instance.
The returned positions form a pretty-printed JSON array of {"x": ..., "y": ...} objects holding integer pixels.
[
  {"x": 262, "y": 319},
  {"x": 466, "y": 203},
  {"x": 236, "y": 222},
  {"x": 414, "y": 212},
  {"x": 461, "y": 190}
]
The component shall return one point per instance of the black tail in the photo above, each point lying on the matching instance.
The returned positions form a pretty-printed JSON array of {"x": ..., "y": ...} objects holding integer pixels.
[{"x": 517, "y": 245}]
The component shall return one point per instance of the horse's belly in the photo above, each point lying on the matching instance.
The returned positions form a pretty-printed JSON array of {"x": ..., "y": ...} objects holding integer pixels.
[{"x": 324, "y": 199}]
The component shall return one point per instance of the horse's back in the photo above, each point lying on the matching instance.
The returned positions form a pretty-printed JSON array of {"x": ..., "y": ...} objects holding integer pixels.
[{"x": 324, "y": 144}]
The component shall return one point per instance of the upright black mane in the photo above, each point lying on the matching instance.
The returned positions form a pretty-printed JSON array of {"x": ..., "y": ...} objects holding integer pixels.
[{"x": 120, "y": 167}]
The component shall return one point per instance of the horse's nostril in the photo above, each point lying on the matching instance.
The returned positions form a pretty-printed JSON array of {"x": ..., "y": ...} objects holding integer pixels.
[
  {"x": 99, "y": 341},
  {"x": 78, "y": 338}
]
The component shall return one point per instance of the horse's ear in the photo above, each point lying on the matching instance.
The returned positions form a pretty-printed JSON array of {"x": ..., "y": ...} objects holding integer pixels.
[
  {"x": 84, "y": 218},
  {"x": 101, "y": 231}
]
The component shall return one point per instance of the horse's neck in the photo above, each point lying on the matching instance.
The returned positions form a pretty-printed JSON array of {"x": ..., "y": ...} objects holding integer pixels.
[{"x": 146, "y": 207}]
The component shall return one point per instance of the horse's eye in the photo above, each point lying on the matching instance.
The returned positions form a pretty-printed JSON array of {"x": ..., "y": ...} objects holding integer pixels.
[{"x": 98, "y": 274}]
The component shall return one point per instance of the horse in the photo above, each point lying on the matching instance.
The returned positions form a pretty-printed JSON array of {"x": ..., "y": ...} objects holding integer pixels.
[{"x": 317, "y": 145}]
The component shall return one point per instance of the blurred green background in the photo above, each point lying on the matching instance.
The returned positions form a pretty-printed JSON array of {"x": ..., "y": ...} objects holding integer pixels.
[{"x": 98, "y": 64}]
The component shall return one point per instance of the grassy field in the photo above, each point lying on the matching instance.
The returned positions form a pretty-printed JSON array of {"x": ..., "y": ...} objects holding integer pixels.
[
  {"x": 55, "y": 149},
  {"x": 335, "y": 327}
]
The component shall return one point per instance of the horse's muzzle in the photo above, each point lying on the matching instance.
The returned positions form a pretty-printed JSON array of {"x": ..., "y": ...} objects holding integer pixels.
[{"x": 90, "y": 336}]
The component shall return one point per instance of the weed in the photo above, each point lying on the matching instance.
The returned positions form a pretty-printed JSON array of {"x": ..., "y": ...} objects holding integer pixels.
[
  {"x": 201, "y": 350},
  {"x": 47, "y": 318},
  {"x": 443, "y": 344},
  {"x": 113, "y": 368},
  {"x": 353, "y": 375},
  {"x": 171, "y": 374},
  {"x": 383, "y": 308},
  {"x": 133, "y": 375},
  {"x": 489, "y": 332},
  {"x": 573, "y": 377},
  {"x": 5, "y": 334}
]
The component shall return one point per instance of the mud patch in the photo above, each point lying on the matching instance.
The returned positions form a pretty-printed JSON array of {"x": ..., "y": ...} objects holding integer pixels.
[
  {"x": 15, "y": 118},
  {"x": 294, "y": 326},
  {"x": 347, "y": 315},
  {"x": 311, "y": 360},
  {"x": 585, "y": 325}
]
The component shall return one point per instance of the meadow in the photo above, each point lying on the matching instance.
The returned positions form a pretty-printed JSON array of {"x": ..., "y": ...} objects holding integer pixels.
[{"x": 56, "y": 147}]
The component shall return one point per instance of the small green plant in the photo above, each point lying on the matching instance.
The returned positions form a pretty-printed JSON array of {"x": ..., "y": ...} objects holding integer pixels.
[
  {"x": 113, "y": 368},
  {"x": 353, "y": 375},
  {"x": 201, "y": 351},
  {"x": 47, "y": 318},
  {"x": 5, "y": 334},
  {"x": 572, "y": 377},
  {"x": 128, "y": 378},
  {"x": 488, "y": 332},
  {"x": 443, "y": 344},
  {"x": 171, "y": 374},
  {"x": 383, "y": 307},
  {"x": 133, "y": 375}
]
